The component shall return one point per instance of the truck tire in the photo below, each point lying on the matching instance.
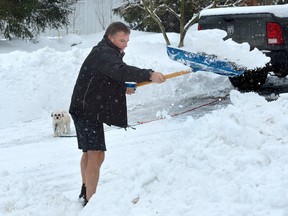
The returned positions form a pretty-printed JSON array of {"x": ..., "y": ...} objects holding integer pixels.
[
  {"x": 280, "y": 70},
  {"x": 250, "y": 80}
]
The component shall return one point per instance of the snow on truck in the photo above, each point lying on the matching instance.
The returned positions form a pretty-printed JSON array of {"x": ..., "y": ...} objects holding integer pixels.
[{"x": 263, "y": 27}]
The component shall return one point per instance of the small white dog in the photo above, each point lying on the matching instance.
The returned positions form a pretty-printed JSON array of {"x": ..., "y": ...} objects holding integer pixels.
[{"x": 60, "y": 122}]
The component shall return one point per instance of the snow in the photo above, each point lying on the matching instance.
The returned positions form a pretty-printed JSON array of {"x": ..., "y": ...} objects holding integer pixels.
[
  {"x": 212, "y": 42},
  {"x": 230, "y": 161},
  {"x": 277, "y": 10}
]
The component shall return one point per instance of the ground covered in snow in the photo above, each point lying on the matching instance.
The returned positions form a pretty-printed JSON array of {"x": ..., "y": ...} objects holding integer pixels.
[{"x": 229, "y": 162}]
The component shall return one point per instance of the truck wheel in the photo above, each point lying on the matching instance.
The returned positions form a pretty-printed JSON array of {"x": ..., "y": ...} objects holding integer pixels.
[
  {"x": 280, "y": 70},
  {"x": 250, "y": 80}
]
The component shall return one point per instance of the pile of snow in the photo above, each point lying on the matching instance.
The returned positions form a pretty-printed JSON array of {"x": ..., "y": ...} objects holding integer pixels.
[
  {"x": 277, "y": 10},
  {"x": 24, "y": 195},
  {"x": 228, "y": 162},
  {"x": 211, "y": 42}
]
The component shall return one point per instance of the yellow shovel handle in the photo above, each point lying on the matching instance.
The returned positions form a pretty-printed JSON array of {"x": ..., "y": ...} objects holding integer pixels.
[{"x": 167, "y": 76}]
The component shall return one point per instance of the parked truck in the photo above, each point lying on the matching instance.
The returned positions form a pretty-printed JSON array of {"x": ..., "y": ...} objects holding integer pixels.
[{"x": 263, "y": 27}]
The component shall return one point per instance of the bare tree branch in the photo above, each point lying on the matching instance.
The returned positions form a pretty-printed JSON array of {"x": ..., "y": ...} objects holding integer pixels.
[
  {"x": 149, "y": 8},
  {"x": 165, "y": 6}
]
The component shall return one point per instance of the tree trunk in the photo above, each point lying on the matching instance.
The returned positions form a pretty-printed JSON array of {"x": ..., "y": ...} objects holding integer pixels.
[
  {"x": 182, "y": 36},
  {"x": 149, "y": 8},
  {"x": 182, "y": 16}
]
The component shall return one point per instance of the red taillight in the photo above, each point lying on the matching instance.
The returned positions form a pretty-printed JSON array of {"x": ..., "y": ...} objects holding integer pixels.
[
  {"x": 199, "y": 27},
  {"x": 274, "y": 34}
]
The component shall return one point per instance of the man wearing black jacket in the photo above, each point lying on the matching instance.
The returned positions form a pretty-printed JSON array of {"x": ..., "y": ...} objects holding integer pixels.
[{"x": 99, "y": 97}]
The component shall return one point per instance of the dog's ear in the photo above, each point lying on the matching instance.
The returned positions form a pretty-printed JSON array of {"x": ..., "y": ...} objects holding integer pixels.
[{"x": 52, "y": 114}]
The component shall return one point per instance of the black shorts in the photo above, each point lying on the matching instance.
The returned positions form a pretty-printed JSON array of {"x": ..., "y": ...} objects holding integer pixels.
[{"x": 90, "y": 135}]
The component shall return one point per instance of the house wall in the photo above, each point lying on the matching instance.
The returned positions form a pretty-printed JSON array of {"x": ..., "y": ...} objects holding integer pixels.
[{"x": 89, "y": 16}]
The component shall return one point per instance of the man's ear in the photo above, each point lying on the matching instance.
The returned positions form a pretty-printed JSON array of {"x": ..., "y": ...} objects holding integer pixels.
[{"x": 110, "y": 38}]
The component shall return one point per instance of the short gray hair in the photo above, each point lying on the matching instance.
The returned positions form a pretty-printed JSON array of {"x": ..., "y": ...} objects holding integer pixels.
[{"x": 116, "y": 27}]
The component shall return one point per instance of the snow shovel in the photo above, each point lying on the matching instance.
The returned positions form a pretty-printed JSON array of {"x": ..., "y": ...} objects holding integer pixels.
[{"x": 204, "y": 62}]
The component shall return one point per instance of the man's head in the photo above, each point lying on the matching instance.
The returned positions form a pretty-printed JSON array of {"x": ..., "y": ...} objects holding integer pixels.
[{"x": 118, "y": 33}]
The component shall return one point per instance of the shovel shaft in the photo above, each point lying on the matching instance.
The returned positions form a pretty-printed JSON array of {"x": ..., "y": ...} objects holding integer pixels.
[{"x": 167, "y": 76}]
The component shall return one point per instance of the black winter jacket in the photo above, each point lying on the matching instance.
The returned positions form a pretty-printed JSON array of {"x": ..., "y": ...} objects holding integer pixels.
[{"x": 99, "y": 92}]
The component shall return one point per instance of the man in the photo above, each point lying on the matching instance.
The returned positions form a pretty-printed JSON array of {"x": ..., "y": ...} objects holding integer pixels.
[{"x": 99, "y": 97}]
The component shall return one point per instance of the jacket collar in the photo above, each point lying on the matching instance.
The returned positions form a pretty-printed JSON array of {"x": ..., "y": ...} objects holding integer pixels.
[{"x": 110, "y": 44}]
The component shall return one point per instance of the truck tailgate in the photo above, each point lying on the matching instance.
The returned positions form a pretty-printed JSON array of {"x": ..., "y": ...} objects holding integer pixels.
[{"x": 241, "y": 27}]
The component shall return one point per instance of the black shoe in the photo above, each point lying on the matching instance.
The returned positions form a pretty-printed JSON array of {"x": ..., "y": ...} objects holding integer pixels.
[
  {"x": 85, "y": 202},
  {"x": 83, "y": 192}
]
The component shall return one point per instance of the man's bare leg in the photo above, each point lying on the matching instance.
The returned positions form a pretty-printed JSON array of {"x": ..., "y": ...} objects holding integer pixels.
[
  {"x": 83, "y": 165},
  {"x": 95, "y": 160}
]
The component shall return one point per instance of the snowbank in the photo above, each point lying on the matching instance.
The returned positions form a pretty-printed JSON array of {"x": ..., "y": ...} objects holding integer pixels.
[
  {"x": 228, "y": 162},
  {"x": 277, "y": 10}
]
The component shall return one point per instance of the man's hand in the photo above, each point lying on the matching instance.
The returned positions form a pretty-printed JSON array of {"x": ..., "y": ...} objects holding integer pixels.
[
  {"x": 157, "y": 77},
  {"x": 130, "y": 91}
]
